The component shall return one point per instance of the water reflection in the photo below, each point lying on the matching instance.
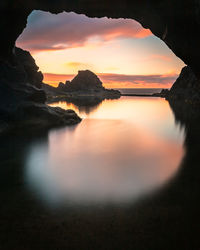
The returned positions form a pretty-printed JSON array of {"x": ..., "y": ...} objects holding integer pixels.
[
  {"x": 113, "y": 155},
  {"x": 169, "y": 219},
  {"x": 83, "y": 106}
]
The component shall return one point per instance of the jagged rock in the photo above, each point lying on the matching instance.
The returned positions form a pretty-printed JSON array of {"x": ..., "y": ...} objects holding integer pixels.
[
  {"x": 20, "y": 87},
  {"x": 34, "y": 76},
  {"x": 20, "y": 83}
]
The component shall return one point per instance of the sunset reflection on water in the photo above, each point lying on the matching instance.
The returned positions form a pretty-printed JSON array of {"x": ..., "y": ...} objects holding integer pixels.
[{"x": 122, "y": 150}]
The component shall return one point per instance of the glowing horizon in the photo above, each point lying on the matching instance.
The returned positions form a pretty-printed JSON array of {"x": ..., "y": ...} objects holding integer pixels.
[
  {"x": 116, "y": 80},
  {"x": 119, "y": 51}
]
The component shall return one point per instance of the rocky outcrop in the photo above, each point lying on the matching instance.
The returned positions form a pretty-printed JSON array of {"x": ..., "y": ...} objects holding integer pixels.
[
  {"x": 186, "y": 88},
  {"x": 85, "y": 80},
  {"x": 33, "y": 76},
  {"x": 85, "y": 85},
  {"x": 20, "y": 83},
  {"x": 21, "y": 95}
]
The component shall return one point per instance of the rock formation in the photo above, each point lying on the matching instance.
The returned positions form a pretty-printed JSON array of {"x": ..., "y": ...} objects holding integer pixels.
[
  {"x": 85, "y": 84},
  {"x": 22, "y": 101},
  {"x": 186, "y": 87},
  {"x": 85, "y": 80}
]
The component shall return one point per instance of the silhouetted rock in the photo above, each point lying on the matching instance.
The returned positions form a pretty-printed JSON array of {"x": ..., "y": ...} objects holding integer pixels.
[
  {"x": 20, "y": 83},
  {"x": 34, "y": 77},
  {"x": 163, "y": 93},
  {"x": 40, "y": 116},
  {"x": 84, "y": 85},
  {"x": 61, "y": 86},
  {"x": 20, "y": 87},
  {"x": 186, "y": 88},
  {"x": 85, "y": 80},
  {"x": 51, "y": 91}
]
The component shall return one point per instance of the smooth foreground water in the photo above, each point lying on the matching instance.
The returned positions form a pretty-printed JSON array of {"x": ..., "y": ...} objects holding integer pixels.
[
  {"x": 126, "y": 177},
  {"x": 123, "y": 150}
]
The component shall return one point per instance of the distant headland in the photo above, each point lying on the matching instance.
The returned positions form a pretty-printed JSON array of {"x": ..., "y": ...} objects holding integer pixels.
[{"x": 84, "y": 85}]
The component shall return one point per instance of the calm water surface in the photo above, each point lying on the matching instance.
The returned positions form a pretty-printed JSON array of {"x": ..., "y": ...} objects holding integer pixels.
[{"x": 122, "y": 151}]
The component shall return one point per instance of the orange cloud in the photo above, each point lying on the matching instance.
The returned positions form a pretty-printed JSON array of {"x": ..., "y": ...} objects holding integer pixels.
[
  {"x": 77, "y": 65},
  {"x": 54, "y": 79},
  {"x": 68, "y": 30}
]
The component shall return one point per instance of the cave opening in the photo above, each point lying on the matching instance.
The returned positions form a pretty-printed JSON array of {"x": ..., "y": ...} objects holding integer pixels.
[
  {"x": 120, "y": 51},
  {"x": 127, "y": 175}
]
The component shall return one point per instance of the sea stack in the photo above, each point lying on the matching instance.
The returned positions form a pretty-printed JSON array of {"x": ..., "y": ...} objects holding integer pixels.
[
  {"x": 85, "y": 84},
  {"x": 85, "y": 80}
]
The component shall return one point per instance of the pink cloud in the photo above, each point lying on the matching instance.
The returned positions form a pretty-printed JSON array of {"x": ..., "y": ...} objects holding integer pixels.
[{"x": 66, "y": 30}]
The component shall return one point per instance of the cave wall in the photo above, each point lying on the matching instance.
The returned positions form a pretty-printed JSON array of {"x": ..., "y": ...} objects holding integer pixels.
[{"x": 176, "y": 22}]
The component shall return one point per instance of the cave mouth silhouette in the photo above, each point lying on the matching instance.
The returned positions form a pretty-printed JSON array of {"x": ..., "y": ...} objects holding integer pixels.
[
  {"x": 51, "y": 40},
  {"x": 165, "y": 20}
]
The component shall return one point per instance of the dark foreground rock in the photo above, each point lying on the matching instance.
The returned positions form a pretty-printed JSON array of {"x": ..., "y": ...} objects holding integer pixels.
[
  {"x": 186, "y": 88},
  {"x": 37, "y": 117},
  {"x": 85, "y": 84},
  {"x": 22, "y": 100}
]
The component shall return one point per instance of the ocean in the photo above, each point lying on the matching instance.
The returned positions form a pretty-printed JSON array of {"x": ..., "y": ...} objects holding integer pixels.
[{"x": 139, "y": 91}]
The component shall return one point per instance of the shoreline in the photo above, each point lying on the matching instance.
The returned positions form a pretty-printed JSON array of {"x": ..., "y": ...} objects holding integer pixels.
[
  {"x": 82, "y": 97},
  {"x": 142, "y": 95}
]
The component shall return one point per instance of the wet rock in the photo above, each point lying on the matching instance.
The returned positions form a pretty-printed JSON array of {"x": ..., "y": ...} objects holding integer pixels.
[{"x": 44, "y": 116}]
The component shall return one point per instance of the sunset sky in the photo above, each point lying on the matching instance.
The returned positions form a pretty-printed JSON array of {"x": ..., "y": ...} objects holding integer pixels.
[{"x": 119, "y": 51}]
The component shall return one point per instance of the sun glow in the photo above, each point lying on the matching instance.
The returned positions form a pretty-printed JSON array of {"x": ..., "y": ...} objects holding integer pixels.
[{"x": 120, "y": 52}]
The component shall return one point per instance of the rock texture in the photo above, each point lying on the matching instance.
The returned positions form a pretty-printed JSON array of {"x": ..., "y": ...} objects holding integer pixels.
[{"x": 22, "y": 100}]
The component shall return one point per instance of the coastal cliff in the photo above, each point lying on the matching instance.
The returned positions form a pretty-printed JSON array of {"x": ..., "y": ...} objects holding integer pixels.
[{"x": 186, "y": 88}]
